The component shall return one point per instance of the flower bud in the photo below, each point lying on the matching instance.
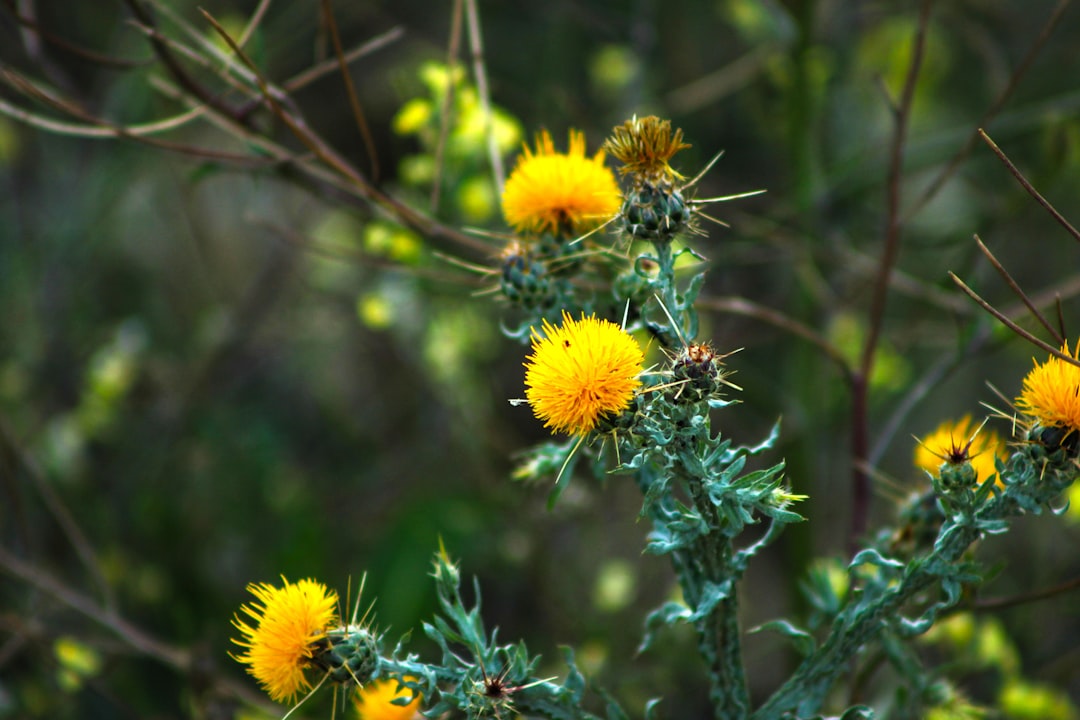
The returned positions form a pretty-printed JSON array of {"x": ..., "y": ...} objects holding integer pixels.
[{"x": 348, "y": 654}]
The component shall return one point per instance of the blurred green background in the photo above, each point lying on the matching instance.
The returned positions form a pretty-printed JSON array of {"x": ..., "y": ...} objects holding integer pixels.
[{"x": 211, "y": 376}]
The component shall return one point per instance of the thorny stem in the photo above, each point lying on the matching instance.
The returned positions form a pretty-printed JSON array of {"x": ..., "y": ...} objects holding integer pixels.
[
  {"x": 859, "y": 432},
  {"x": 710, "y": 563},
  {"x": 666, "y": 279},
  {"x": 807, "y": 687}
]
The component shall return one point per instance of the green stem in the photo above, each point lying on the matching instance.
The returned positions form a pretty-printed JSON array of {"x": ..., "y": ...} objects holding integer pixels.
[
  {"x": 805, "y": 691},
  {"x": 665, "y": 259},
  {"x": 709, "y": 563},
  {"x": 719, "y": 638}
]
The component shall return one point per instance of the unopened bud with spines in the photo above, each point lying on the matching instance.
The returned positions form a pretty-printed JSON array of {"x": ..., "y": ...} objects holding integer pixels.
[
  {"x": 348, "y": 654},
  {"x": 523, "y": 277},
  {"x": 697, "y": 372}
]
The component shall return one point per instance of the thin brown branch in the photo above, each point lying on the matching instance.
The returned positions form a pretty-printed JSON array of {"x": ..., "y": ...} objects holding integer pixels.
[
  {"x": 253, "y": 23},
  {"x": 991, "y": 112},
  {"x": 896, "y": 166},
  {"x": 860, "y": 440},
  {"x": 350, "y": 89},
  {"x": 1012, "y": 325},
  {"x": 71, "y": 48},
  {"x": 445, "y": 120},
  {"x": 68, "y": 525},
  {"x": 305, "y": 78},
  {"x": 171, "y": 655},
  {"x": 211, "y": 58},
  {"x": 333, "y": 170},
  {"x": 748, "y": 308},
  {"x": 1015, "y": 287},
  {"x": 175, "y": 69},
  {"x": 294, "y": 123},
  {"x": 1028, "y": 186},
  {"x": 351, "y": 187},
  {"x": 993, "y": 604},
  {"x": 476, "y": 47},
  {"x": 1053, "y": 295},
  {"x": 910, "y": 286},
  {"x": 98, "y": 128}
]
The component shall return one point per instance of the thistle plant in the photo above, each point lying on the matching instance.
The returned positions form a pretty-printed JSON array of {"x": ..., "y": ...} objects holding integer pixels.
[
  {"x": 712, "y": 504},
  {"x": 599, "y": 277}
]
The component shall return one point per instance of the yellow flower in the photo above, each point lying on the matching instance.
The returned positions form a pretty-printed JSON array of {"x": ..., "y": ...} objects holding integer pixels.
[
  {"x": 581, "y": 371},
  {"x": 949, "y": 443},
  {"x": 1051, "y": 392},
  {"x": 373, "y": 701},
  {"x": 289, "y": 622},
  {"x": 550, "y": 191}
]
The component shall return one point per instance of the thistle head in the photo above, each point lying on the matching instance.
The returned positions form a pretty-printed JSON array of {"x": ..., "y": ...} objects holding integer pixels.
[{"x": 645, "y": 146}]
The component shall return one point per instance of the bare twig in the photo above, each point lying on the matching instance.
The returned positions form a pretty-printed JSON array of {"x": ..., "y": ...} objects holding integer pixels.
[
  {"x": 1012, "y": 325},
  {"x": 860, "y": 389},
  {"x": 294, "y": 123},
  {"x": 175, "y": 69},
  {"x": 305, "y": 78},
  {"x": 476, "y": 47},
  {"x": 445, "y": 120},
  {"x": 331, "y": 177},
  {"x": 1018, "y": 290},
  {"x": 253, "y": 23},
  {"x": 992, "y": 604},
  {"x": 350, "y": 89},
  {"x": 99, "y": 128},
  {"x": 1014, "y": 81},
  {"x": 140, "y": 640},
  {"x": 1028, "y": 186},
  {"x": 748, "y": 308},
  {"x": 70, "y": 47},
  {"x": 75, "y": 535}
]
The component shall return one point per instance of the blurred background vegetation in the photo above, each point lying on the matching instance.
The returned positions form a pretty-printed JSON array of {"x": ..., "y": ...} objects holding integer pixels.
[{"x": 212, "y": 375}]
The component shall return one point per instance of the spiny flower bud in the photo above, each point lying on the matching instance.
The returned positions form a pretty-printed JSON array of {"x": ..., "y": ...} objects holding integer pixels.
[
  {"x": 1055, "y": 437},
  {"x": 524, "y": 278},
  {"x": 698, "y": 371},
  {"x": 655, "y": 214},
  {"x": 1052, "y": 446},
  {"x": 348, "y": 654},
  {"x": 653, "y": 209},
  {"x": 957, "y": 476}
]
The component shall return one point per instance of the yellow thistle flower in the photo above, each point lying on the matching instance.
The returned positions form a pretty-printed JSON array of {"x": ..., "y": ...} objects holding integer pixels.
[
  {"x": 551, "y": 191},
  {"x": 373, "y": 701},
  {"x": 1051, "y": 392},
  {"x": 645, "y": 146},
  {"x": 581, "y": 371},
  {"x": 952, "y": 442},
  {"x": 289, "y": 623}
]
